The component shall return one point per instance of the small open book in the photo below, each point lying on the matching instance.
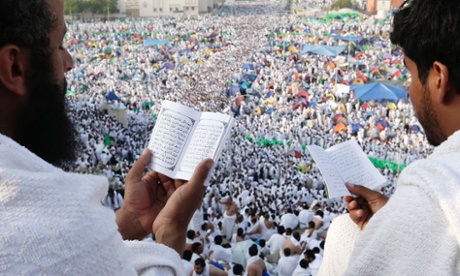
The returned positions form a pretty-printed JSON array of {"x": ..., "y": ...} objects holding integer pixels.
[
  {"x": 345, "y": 162},
  {"x": 183, "y": 137}
]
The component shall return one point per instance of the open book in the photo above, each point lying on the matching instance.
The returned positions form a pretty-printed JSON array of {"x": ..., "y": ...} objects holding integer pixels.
[
  {"x": 183, "y": 137},
  {"x": 345, "y": 162}
]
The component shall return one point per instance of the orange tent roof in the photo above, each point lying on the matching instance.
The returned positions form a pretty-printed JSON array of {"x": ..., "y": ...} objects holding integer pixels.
[{"x": 340, "y": 127}]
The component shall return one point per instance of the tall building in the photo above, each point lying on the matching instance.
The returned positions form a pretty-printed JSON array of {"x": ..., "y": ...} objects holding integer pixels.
[
  {"x": 384, "y": 6},
  {"x": 152, "y": 8}
]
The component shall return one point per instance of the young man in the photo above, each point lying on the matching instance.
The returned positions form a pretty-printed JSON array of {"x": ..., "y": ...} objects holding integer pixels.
[
  {"x": 255, "y": 265},
  {"x": 53, "y": 221},
  {"x": 417, "y": 231},
  {"x": 287, "y": 263}
]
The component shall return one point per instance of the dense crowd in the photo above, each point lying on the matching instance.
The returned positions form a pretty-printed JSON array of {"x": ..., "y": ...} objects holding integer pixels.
[{"x": 247, "y": 61}]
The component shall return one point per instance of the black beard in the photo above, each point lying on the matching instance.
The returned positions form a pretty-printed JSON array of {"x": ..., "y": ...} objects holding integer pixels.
[{"x": 44, "y": 126}]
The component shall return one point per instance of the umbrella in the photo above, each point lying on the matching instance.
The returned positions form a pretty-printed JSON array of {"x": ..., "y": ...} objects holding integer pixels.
[
  {"x": 233, "y": 90},
  {"x": 257, "y": 111},
  {"x": 168, "y": 66},
  {"x": 363, "y": 77},
  {"x": 111, "y": 97},
  {"x": 342, "y": 120},
  {"x": 323, "y": 50},
  {"x": 239, "y": 100},
  {"x": 302, "y": 94},
  {"x": 330, "y": 97},
  {"x": 301, "y": 103},
  {"x": 355, "y": 128},
  {"x": 70, "y": 92},
  {"x": 293, "y": 49},
  {"x": 338, "y": 116},
  {"x": 368, "y": 114},
  {"x": 414, "y": 128},
  {"x": 378, "y": 91},
  {"x": 392, "y": 106},
  {"x": 248, "y": 67},
  {"x": 108, "y": 50},
  {"x": 358, "y": 81},
  {"x": 382, "y": 124},
  {"x": 150, "y": 42},
  {"x": 340, "y": 127}
]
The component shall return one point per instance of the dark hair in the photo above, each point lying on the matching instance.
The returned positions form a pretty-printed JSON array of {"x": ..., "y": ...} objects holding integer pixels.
[
  {"x": 262, "y": 242},
  {"x": 218, "y": 239},
  {"x": 428, "y": 31},
  {"x": 322, "y": 243},
  {"x": 287, "y": 252},
  {"x": 303, "y": 264},
  {"x": 191, "y": 234},
  {"x": 310, "y": 254},
  {"x": 238, "y": 269},
  {"x": 253, "y": 250},
  {"x": 281, "y": 230},
  {"x": 187, "y": 255},
  {"x": 319, "y": 213},
  {"x": 240, "y": 232},
  {"x": 296, "y": 235},
  {"x": 200, "y": 262},
  {"x": 26, "y": 23},
  {"x": 196, "y": 246}
]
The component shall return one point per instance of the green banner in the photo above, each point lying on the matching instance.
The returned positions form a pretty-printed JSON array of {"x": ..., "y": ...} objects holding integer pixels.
[{"x": 379, "y": 163}]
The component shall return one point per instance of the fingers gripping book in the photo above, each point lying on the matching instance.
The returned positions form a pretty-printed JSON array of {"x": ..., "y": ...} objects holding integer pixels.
[
  {"x": 183, "y": 137},
  {"x": 345, "y": 162}
]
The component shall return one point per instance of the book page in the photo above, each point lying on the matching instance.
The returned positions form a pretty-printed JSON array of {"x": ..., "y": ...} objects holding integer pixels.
[
  {"x": 206, "y": 142},
  {"x": 170, "y": 136},
  {"x": 331, "y": 175},
  {"x": 354, "y": 165}
]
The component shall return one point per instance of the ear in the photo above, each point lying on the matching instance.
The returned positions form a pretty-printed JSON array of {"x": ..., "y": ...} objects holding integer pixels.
[
  {"x": 13, "y": 64},
  {"x": 440, "y": 84}
]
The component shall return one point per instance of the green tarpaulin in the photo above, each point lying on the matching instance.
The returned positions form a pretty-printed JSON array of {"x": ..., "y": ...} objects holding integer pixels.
[{"x": 379, "y": 163}]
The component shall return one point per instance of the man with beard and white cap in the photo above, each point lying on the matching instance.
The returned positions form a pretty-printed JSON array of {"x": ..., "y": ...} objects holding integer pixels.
[
  {"x": 417, "y": 230},
  {"x": 53, "y": 221}
]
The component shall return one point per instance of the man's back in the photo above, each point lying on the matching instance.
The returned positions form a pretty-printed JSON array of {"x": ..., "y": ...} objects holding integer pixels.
[
  {"x": 255, "y": 269},
  {"x": 424, "y": 202},
  {"x": 221, "y": 254},
  {"x": 62, "y": 216},
  {"x": 287, "y": 265},
  {"x": 275, "y": 242},
  {"x": 289, "y": 221}
]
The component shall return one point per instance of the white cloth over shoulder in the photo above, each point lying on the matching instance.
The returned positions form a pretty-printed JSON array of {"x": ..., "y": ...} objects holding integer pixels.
[
  {"x": 417, "y": 232},
  {"x": 57, "y": 224}
]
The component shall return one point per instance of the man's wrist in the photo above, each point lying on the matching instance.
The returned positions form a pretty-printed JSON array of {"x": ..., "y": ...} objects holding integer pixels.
[
  {"x": 172, "y": 237},
  {"x": 129, "y": 227}
]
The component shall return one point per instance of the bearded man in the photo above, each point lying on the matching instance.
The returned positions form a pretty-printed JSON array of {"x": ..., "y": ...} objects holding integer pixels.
[{"x": 52, "y": 221}]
